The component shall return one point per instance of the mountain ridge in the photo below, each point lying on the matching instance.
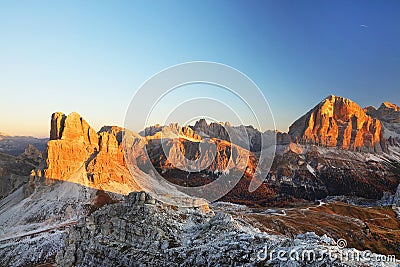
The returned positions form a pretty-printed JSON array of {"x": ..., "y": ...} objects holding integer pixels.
[{"x": 339, "y": 122}]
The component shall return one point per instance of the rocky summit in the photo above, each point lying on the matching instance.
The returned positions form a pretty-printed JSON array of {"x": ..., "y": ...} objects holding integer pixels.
[
  {"x": 76, "y": 153},
  {"x": 339, "y": 122}
]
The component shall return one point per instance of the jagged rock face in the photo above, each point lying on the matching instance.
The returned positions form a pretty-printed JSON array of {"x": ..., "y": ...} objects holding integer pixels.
[
  {"x": 172, "y": 130},
  {"x": 141, "y": 232},
  {"x": 118, "y": 132},
  {"x": 57, "y": 125},
  {"x": 247, "y": 137},
  {"x": 389, "y": 115},
  {"x": 215, "y": 130},
  {"x": 212, "y": 155},
  {"x": 244, "y": 136},
  {"x": 339, "y": 122},
  {"x": 31, "y": 156},
  {"x": 76, "y": 149},
  {"x": 72, "y": 142},
  {"x": 314, "y": 172},
  {"x": 15, "y": 171},
  {"x": 389, "y": 112},
  {"x": 228, "y": 159}
]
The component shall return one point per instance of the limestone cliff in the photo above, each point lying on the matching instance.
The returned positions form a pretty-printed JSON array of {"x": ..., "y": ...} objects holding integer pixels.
[
  {"x": 77, "y": 153},
  {"x": 339, "y": 122}
]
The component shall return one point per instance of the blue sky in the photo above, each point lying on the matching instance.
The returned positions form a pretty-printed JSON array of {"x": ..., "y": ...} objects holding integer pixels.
[{"x": 91, "y": 56}]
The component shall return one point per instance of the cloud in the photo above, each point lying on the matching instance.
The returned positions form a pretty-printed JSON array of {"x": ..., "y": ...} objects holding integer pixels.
[{"x": 364, "y": 26}]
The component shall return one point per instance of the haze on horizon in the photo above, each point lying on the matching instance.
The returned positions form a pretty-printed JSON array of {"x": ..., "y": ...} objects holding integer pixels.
[{"x": 90, "y": 57}]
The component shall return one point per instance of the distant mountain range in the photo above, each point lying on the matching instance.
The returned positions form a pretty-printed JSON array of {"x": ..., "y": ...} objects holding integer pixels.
[
  {"x": 15, "y": 145},
  {"x": 337, "y": 150},
  {"x": 334, "y": 149}
]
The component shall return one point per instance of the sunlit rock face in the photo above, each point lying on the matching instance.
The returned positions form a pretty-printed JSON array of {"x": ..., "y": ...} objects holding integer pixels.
[
  {"x": 185, "y": 154},
  {"x": 77, "y": 153},
  {"x": 339, "y": 122}
]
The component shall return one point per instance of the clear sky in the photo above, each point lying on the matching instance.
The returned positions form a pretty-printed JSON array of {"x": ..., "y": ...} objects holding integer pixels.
[{"x": 91, "y": 56}]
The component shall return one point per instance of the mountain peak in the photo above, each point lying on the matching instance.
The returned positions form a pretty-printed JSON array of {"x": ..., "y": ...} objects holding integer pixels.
[
  {"x": 333, "y": 98},
  {"x": 77, "y": 153},
  {"x": 339, "y": 122},
  {"x": 390, "y": 105},
  {"x": 72, "y": 127}
]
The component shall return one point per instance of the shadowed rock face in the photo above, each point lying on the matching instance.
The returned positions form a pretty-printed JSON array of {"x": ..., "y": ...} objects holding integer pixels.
[
  {"x": 75, "y": 149},
  {"x": 389, "y": 112},
  {"x": 15, "y": 171},
  {"x": 389, "y": 115},
  {"x": 339, "y": 122}
]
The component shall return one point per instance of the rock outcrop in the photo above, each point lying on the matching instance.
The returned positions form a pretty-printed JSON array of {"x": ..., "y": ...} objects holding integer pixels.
[
  {"x": 389, "y": 112},
  {"x": 77, "y": 153},
  {"x": 138, "y": 233},
  {"x": 15, "y": 171},
  {"x": 172, "y": 130},
  {"x": 135, "y": 233},
  {"x": 389, "y": 115},
  {"x": 245, "y": 136},
  {"x": 339, "y": 122},
  {"x": 396, "y": 198},
  {"x": 211, "y": 155}
]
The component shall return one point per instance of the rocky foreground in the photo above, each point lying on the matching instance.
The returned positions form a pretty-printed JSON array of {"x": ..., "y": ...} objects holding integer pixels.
[
  {"x": 66, "y": 224},
  {"x": 140, "y": 231}
]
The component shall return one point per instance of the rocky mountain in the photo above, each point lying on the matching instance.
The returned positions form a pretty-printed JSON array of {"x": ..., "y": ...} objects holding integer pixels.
[
  {"x": 339, "y": 122},
  {"x": 299, "y": 171},
  {"x": 77, "y": 208},
  {"x": 15, "y": 171},
  {"x": 15, "y": 145},
  {"x": 314, "y": 172},
  {"x": 389, "y": 115},
  {"x": 246, "y": 137},
  {"x": 76, "y": 153}
]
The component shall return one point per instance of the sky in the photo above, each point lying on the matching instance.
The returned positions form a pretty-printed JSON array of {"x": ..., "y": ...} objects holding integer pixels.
[{"x": 92, "y": 56}]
